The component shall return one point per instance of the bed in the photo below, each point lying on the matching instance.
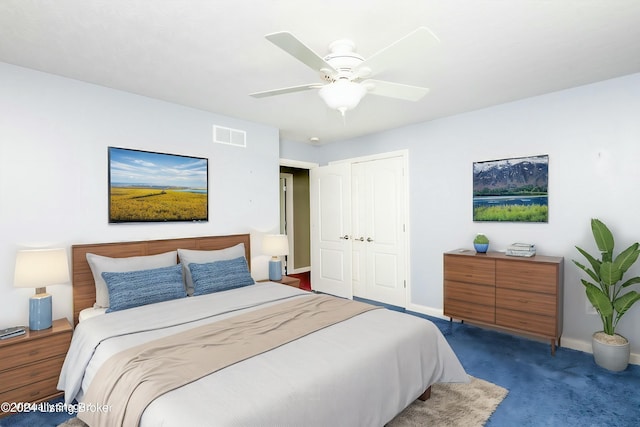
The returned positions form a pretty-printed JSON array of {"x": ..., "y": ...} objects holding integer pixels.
[{"x": 363, "y": 369}]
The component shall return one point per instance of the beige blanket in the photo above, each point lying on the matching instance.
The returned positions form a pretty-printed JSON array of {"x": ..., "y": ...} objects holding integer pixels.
[{"x": 130, "y": 380}]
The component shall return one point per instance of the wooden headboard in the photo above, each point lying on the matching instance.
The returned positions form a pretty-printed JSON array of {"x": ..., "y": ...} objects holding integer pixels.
[{"x": 84, "y": 291}]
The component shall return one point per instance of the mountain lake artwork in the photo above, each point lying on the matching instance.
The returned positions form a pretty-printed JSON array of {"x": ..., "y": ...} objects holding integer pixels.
[{"x": 511, "y": 189}]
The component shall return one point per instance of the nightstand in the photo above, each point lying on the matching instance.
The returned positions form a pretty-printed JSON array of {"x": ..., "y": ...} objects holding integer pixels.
[
  {"x": 286, "y": 280},
  {"x": 30, "y": 364}
]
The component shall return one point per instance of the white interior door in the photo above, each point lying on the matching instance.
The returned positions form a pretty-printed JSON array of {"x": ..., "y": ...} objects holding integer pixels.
[
  {"x": 330, "y": 205},
  {"x": 379, "y": 245}
]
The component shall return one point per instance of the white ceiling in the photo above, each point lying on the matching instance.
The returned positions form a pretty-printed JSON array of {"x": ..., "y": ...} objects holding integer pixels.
[{"x": 210, "y": 54}]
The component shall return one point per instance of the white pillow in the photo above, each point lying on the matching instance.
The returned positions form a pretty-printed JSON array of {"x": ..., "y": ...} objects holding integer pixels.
[
  {"x": 90, "y": 312},
  {"x": 188, "y": 256},
  {"x": 100, "y": 264}
]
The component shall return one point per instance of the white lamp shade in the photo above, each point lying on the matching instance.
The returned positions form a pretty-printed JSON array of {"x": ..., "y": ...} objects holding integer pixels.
[
  {"x": 342, "y": 95},
  {"x": 275, "y": 244},
  {"x": 41, "y": 267}
]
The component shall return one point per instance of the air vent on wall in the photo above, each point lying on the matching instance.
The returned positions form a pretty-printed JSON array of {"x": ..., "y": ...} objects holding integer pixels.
[{"x": 224, "y": 135}]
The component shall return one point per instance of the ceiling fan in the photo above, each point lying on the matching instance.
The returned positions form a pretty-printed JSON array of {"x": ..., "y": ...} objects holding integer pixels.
[{"x": 347, "y": 75}]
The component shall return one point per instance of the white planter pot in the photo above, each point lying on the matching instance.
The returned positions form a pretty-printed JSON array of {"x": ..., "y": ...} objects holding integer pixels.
[{"x": 611, "y": 353}]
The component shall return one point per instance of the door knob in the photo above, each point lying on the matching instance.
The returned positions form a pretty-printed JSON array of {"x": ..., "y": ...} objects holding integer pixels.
[
  {"x": 369, "y": 239},
  {"x": 361, "y": 239},
  {"x": 345, "y": 237}
]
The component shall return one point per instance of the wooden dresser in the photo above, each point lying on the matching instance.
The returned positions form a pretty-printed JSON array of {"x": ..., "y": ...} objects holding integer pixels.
[
  {"x": 30, "y": 364},
  {"x": 515, "y": 294}
]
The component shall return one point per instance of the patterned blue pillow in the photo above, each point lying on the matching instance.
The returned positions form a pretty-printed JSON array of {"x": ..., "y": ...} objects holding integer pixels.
[
  {"x": 220, "y": 275},
  {"x": 135, "y": 288}
]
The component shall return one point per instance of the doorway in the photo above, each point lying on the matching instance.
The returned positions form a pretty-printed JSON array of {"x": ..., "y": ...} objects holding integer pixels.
[{"x": 295, "y": 219}]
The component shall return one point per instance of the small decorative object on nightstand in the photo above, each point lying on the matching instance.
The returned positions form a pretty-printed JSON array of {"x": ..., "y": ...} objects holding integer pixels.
[
  {"x": 38, "y": 269},
  {"x": 30, "y": 364},
  {"x": 275, "y": 245}
]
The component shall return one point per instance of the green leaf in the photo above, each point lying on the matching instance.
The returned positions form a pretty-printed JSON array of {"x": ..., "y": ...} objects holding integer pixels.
[
  {"x": 586, "y": 284},
  {"x": 590, "y": 272},
  {"x": 624, "y": 303},
  {"x": 602, "y": 236},
  {"x": 599, "y": 300},
  {"x": 595, "y": 263},
  {"x": 630, "y": 282},
  {"x": 627, "y": 258},
  {"x": 609, "y": 273}
]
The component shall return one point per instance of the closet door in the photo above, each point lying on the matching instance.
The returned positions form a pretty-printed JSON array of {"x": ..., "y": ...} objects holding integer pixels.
[
  {"x": 330, "y": 204},
  {"x": 378, "y": 230}
]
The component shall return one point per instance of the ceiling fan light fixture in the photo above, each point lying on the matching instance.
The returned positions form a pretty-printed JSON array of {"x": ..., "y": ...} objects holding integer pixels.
[{"x": 342, "y": 95}]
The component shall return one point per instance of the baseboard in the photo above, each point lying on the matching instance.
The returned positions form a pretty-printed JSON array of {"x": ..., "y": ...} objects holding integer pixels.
[
  {"x": 429, "y": 311},
  {"x": 575, "y": 344},
  {"x": 572, "y": 343},
  {"x": 585, "y": 346}
]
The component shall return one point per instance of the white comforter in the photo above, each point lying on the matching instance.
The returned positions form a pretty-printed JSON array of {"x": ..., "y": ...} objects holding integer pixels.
[{"x": 362, "y": 371}]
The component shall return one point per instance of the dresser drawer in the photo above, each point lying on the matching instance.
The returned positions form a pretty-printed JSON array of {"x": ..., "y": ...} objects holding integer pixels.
[
  {"x": 27, "y": 374},
  {"x": 42, "y": 390},
  {"x": 529, "y": 302},
  {"x": 465, "y": 268},
  {"x": 534, "y": 323},
  {"x": 22, "y": 353},
  {"x": 469, "y": 311},
  {"x": 529, "y": 276},
  {"x": 479, "y": 294}
]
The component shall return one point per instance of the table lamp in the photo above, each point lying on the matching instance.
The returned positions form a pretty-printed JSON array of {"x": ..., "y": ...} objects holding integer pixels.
[
  {"x": 39, "y": 268},
  {"x": 275, "y": 245}
]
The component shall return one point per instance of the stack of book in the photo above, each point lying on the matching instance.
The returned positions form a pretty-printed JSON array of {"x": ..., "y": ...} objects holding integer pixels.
[{"x": 521, "y": 249}]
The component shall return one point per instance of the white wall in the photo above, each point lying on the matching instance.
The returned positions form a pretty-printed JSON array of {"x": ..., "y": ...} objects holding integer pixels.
[
  {"x": 592, "y": 137},
  {"x": 54, "y": 134}
]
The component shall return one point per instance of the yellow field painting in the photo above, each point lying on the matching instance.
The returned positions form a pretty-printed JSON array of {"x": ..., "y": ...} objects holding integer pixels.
[{"x": 154, "y": 204}]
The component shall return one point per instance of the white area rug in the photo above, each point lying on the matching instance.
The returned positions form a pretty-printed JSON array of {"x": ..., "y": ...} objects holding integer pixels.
[{"x": 453, "y": 405}]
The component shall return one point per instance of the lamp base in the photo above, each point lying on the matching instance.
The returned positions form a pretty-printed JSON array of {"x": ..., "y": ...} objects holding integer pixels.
[
  {"x": 40, "y": 314},
  {"x": 275, "y": 270}
]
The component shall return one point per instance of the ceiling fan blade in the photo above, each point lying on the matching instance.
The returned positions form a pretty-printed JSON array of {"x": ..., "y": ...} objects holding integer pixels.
[
  {"x": 395, "y": 90},
  {"x": 285, "y": 90},
  {"x": 290, "y": 44},
  {"x": 410, "y": 45}
]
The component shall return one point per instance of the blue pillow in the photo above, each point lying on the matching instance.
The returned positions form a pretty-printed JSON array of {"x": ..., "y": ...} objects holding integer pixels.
[
  {"x": 220, "y": 276},
  {"x": 135, "y": 288}
]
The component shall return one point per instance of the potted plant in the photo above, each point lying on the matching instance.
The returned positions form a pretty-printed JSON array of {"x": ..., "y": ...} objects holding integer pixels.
[
  {"x": 605, "y": 291},
  {"x": 481, "y": 243}
]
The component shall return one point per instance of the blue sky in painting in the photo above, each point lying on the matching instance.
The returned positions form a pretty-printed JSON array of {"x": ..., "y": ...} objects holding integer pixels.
[{"x": 156, "y": 169}]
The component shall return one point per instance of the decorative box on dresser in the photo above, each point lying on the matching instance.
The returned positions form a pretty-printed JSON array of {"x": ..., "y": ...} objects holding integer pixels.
[
  {"x": 30, "y": 364},
  {"x": 516, "y": 294}
]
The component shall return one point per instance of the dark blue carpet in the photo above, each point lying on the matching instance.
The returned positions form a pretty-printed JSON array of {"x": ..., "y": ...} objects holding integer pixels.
[
  {"x": 565, "y": 390},
  {"x": 36, "y": 418}
]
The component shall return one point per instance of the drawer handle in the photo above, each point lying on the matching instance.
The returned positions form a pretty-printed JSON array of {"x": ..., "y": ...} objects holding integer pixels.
[
  {"x": 524, "y": 301},
  {"x": 34, "y": 393},
  {"x": 34, "y": 352}
]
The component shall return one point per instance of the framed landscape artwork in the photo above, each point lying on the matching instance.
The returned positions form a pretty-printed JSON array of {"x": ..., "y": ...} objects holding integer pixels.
[
  {"x": 511, "y": 189},
  {"x": 155, "y": 187}
]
